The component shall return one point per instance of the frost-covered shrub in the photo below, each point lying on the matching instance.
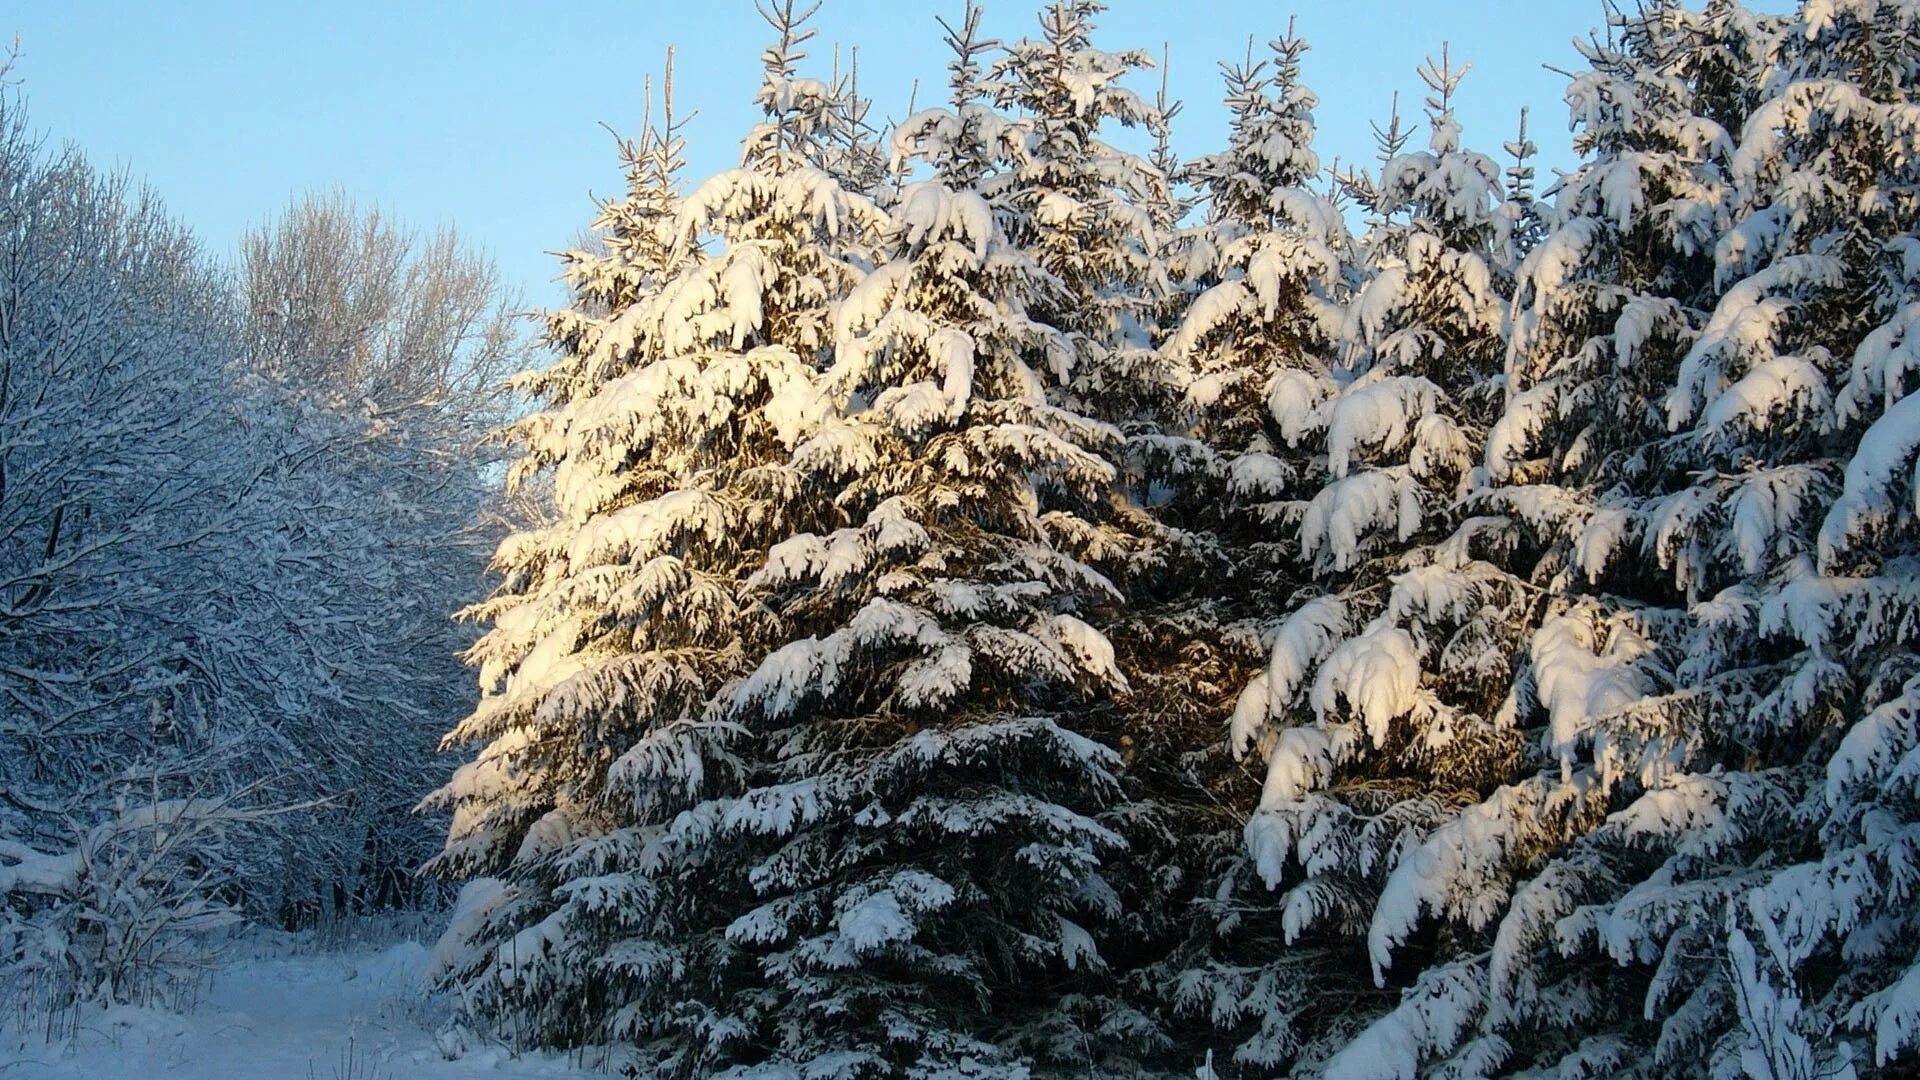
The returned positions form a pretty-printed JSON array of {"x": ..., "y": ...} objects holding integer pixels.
[
  {"x": 122, "y": 911},
  {"x": 221, "y": 595}
]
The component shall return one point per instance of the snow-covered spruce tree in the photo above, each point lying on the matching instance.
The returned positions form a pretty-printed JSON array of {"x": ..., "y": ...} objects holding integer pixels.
[
  {"x": 608, "y": 872},
  {"x": 1271, "y": 263},
  {"x": 1380, "y": 711},
  {"x": 932, "y": 897},
  {"x": 1605, "y": 309},
  {"x": 1838, "y": 605},
  {"x": 1084, "y": 209},
  {"x": 1272, "y": 258},
  {"x": 1751, "y": 756},
  {"x": 569, "y": 447},
  {"x": 1104, "y": 224},
  {"x": 1479, "y": 888},
  {"x": 1173, "y": 677},
  {"x": 1669, "y": 453}
]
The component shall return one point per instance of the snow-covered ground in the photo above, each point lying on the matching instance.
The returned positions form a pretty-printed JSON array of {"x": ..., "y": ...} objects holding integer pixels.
[{"x": 351, "y": 1015}]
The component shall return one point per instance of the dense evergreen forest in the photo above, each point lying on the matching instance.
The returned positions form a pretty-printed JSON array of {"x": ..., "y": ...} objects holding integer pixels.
[{"x": 992, "y": 596}]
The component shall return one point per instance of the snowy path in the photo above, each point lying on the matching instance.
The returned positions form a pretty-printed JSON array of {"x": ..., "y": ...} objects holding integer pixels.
[{"x": 280, "y": 1019}]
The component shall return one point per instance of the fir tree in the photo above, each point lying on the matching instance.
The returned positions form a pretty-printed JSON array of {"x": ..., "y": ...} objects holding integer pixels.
[
  {"x": 1484, "y": 876},
  {"x": 1380, "y": 712},
  {"x": 595, "y": 808},
  {"x": 916, "y": 523},
  {"x": 1737, "y": 753},
  {"x": 1083, "y": 209},
  {"x": 938, "y": 901},
  {"x": 1271, "y": 264},
  {"x": 1274, "y": 257},
  {"x": 1605, "y": 309}
]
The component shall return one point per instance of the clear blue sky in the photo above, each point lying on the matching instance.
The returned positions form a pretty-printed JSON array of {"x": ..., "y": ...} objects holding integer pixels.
[{"x": 485, "y": 113}]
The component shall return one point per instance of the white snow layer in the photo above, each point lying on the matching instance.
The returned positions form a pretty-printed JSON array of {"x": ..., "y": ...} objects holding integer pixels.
[{"x": 275, "y": 1019}]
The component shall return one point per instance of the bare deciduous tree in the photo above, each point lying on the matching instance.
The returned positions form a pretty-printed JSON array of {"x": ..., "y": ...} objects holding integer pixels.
[
  {"x": 229, "y": 547},
  {"x": 347, "y": 299}
]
